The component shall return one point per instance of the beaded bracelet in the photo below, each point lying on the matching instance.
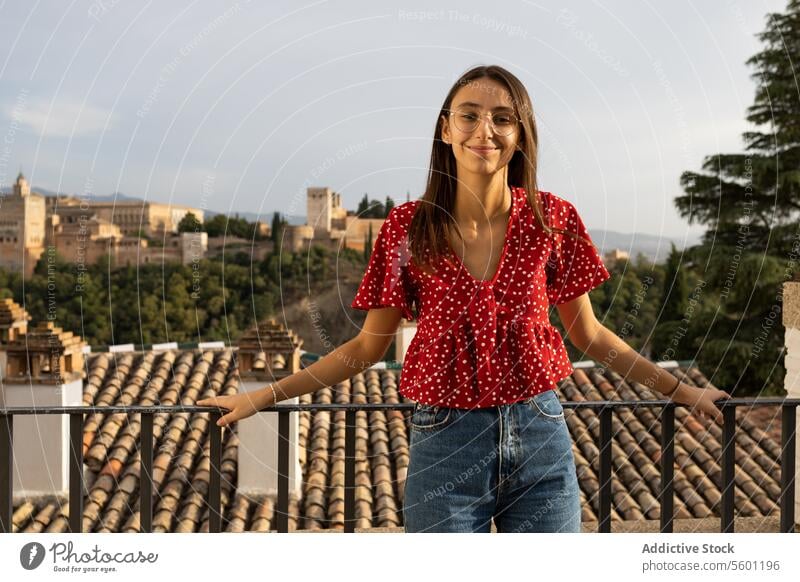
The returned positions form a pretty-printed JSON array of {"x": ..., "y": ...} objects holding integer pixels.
[{"x": 274, "y": 395}]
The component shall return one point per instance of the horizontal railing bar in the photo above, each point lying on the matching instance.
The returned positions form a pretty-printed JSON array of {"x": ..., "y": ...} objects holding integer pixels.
[
  {"x": 730, "y": 403},
  {"x": 77, "y": 486}
]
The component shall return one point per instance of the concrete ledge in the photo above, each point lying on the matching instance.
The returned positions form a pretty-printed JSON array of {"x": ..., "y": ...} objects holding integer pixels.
[{"x": 704, "y": 525}]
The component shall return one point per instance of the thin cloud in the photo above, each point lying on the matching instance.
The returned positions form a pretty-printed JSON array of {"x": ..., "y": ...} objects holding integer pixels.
[{"x": 58, "y": 119}]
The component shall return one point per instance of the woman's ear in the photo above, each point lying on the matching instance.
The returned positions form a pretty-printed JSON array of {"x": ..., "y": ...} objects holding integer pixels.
[{"x": 445, "y": 130}]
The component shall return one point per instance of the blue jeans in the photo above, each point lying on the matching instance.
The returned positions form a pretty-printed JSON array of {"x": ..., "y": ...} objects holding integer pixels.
[{"x": 512, "y": 463}]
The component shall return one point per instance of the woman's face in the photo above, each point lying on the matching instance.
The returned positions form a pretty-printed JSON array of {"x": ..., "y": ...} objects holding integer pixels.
[{"x": 483, "y": 150}]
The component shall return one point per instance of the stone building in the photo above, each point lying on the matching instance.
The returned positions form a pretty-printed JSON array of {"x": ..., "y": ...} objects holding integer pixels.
[
  {"x": 81, "y": 236},
  {"x": 324, "y": 211},
  {"x": 614, "y": 256},
  {"x": 329, "y": 224},
  {"x": 22, "y": 228},
  {"x": 153, "y": 219}
]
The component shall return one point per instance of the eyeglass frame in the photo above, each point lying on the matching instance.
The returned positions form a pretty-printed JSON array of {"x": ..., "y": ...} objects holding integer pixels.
[{"x": 517, "y": 120}]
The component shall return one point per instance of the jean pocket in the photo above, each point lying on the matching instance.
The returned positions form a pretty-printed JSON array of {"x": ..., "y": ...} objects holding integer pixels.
[
  {"x": 547, "y": 406},
  {"x": 427, "y": 417}
]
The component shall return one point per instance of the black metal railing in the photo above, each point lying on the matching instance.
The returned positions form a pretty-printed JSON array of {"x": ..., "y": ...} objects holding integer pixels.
[{"x": 604, "y": 408}]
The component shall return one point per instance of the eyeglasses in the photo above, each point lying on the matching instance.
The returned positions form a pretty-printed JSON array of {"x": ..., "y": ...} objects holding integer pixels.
[{"x": 467, "y": 120}]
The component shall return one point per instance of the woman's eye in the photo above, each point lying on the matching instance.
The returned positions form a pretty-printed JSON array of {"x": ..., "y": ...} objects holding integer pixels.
[
  {"x": 502, "y": 119},
  {"x": 469, "y": 116}
]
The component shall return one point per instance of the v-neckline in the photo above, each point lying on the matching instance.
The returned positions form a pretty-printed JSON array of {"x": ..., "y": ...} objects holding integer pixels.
[{"x": 503, "y": 250}]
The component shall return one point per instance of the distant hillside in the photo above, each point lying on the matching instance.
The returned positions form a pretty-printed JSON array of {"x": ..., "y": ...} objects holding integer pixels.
[
  {"x": 119, "y": 196},
  {"x": 655, "y": 248}
]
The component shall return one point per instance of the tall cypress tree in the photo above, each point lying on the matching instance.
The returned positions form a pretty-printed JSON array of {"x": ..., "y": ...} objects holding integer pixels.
[
  {"x": 278, "y": 223},
  {"x": 368, "y": 244},
  {"x": 675, "y": 288},
  {"x": 750, "y": 204},
  {"x": 752, "y": 199}
]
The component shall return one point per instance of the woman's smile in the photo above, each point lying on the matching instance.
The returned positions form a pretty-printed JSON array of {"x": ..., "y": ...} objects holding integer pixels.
[{"x": 484, "y": 150}]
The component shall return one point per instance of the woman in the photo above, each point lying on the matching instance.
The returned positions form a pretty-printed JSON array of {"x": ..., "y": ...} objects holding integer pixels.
[{"x": 482, "y": 255}]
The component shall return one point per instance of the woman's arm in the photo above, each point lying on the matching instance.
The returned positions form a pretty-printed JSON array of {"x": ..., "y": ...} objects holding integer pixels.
[
  {"x": 345, "y": 361},
  {"x": 603, "y": 345}
]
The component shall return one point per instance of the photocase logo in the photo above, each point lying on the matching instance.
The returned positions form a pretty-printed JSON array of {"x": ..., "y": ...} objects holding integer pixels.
[{"x": 31, "y": 555}]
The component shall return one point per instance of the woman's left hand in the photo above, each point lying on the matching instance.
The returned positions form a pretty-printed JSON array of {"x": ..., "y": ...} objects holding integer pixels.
[{"x": 701, "y": 401}]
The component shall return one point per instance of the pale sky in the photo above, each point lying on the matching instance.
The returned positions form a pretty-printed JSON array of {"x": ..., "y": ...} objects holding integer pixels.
[{"x": 239, "y": 106}]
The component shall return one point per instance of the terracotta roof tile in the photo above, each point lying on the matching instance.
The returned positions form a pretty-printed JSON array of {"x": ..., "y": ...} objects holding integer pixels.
[{"x": 182, "y": 468}]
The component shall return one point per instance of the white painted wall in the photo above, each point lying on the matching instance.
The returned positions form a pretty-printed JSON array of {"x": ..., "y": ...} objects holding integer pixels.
[
  {"x": 41, "y": 442},
  {"x": 403, "y": 336},
  {"x": 258, "y": 449},
  {"x": 792, "y": 386}
]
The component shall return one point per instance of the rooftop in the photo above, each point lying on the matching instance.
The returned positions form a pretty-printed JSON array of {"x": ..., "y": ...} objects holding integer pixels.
[{"x": 180, "y": 377}]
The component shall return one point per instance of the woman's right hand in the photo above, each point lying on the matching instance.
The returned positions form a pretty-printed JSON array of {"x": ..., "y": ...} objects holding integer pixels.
[{"x": 240, "y": 406}]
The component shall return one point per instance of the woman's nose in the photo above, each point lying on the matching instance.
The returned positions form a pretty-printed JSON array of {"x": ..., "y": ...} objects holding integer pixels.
[{"x": 485, "y": 125}]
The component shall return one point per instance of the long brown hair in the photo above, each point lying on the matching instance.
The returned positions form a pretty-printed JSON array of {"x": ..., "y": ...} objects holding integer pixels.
[{"x": 433, "y": 219}]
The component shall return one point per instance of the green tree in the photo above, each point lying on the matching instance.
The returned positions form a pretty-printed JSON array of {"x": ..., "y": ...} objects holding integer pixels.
[
  {"x": 374, "y": 208},
  {"x": 216, "y": 225},
  {"x": 363, "y": 205},
  {"x": 750, "y": 205},
  {"x": 190, "y": 223},
  {"x": 368, "y": 244},
  {"x": 752, "y": 199},
  {"x": 278, "y": 224},
  {"x": 675, "y": 291}
]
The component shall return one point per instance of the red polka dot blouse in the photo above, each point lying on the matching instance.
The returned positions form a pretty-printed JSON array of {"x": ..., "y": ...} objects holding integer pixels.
[{"x": 482, "y": 343}]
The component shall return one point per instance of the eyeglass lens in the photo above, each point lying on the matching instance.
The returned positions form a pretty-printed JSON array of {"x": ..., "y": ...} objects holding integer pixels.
[{"x": 467, "y": 120}]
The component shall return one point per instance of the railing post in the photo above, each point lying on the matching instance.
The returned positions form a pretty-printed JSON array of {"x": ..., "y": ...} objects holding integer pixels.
[
  {"x": 146, "y": 474},
  {"x": 788, "y": 433},
  {"x": 605, "y": 469},
  {"x": 350, "y": 471},
  {"x": 76, "y": 488},
  {"x": 282, "y": 509},
  {"x": 728, "y": 460},
  {"x": 666, "y": 494},
  {"x": 6, "y": 472},
  {"x": 215, "y": 476},
  {"x": 75, "y": 472}
]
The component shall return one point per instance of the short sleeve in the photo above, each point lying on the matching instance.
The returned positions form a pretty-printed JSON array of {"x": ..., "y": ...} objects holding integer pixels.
[
  {"x": 575, "y": 266},
  {"x": 386, "y": 281}
]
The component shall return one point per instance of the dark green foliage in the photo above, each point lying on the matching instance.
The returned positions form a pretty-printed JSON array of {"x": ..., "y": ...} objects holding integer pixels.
[
  {"x": 750, "y": 203},
  {"x": 222, "y": 225},
  {"x": 190, "y": 223},
  {"x": 209, "y": 300},
  {"x": 374, "y": 208}
]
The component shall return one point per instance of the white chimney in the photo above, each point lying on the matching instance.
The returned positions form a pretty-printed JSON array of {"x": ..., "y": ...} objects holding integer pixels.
[
  {"x": 791, "y": 321},
  {"x": 402, "y": 339},
  {"x": 44, "y": 367},
  {"x": 260, "y": 352}
]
